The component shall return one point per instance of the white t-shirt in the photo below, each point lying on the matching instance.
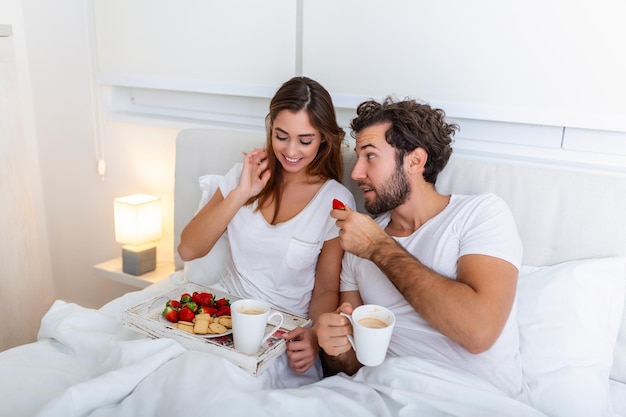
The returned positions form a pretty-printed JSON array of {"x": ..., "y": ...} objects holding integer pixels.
[
  {"x": 481, "y": 224},
  {"x": 277, "y": 263}
]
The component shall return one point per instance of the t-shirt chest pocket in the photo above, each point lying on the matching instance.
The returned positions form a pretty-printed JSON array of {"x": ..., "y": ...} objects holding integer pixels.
[{"x": 302, "y": 255}]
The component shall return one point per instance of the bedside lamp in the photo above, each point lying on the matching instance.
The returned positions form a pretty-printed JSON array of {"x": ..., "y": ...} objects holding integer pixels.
[{"x": 137, "y": 227}]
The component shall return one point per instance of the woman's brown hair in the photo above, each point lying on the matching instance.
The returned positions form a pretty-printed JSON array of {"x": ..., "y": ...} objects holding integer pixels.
[{"x": 302, "y": 93}]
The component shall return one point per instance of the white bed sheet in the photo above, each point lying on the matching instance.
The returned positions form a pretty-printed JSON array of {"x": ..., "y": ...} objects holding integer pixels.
[
  {"x": 618, "y": 397},
  {"x": 87, "y": 364}
]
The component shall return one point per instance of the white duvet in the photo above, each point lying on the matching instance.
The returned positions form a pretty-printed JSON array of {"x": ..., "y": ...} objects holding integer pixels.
[{"x": 87, "y": 364}]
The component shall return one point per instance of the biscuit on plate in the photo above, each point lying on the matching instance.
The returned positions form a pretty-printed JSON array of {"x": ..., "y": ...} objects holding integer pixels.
[
  {"x": 226, "y": 321},
  {"x": 201, "y": 326},
  {"x": 186, "y": 326},
  {"x": 217, "y": 328}
]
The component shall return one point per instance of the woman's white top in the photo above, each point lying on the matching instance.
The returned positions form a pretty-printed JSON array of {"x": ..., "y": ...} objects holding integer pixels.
[{"x": 277, "y": 263}]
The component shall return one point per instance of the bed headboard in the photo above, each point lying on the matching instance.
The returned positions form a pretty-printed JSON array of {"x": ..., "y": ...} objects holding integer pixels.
[{"x": 562, "y": 214}]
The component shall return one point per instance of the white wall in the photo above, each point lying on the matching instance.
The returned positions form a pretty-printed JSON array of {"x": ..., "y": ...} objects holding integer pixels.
[
  {"x": 24, "y": 253},
  {"x": 539, "y": 81},
  {"x": 551, "y": 62},
  {"x": 51, "y": 41}
]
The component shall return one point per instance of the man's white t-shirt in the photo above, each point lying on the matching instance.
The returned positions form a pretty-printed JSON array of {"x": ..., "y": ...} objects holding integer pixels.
[
  {"x": 481, "y": 224},
  {"x": 277, "y": 263}
]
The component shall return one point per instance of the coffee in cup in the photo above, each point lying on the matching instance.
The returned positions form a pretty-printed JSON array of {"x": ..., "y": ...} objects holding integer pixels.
[
  {"x": 250, "y": 319},
  {"x": 372, "y": 326},
  {"x": 372, "y": 323}
]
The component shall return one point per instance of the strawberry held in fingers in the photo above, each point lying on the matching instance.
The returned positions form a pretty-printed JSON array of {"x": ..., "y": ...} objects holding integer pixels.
[{"x": 338, "y": 205}]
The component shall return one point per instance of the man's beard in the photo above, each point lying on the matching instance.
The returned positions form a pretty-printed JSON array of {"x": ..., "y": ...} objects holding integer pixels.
[{"x": 393, "y": 193}]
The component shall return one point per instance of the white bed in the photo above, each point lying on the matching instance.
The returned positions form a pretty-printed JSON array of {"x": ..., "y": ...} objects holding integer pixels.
[{"x": 570, "y": 299}]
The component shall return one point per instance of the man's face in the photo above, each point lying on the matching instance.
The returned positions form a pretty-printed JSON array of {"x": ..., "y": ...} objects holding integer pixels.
[{"x": 384, "y": 183}]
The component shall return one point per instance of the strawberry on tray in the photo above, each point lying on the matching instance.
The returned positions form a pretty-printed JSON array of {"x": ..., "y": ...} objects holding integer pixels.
[
  {"x": 200, "y": 313},
  {"x": 159, "y": 317}
]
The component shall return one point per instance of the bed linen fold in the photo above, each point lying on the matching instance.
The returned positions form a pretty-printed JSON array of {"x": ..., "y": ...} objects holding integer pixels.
[
  {"x": 102, "y": 368},
  {"x": 201, "y": 384}
]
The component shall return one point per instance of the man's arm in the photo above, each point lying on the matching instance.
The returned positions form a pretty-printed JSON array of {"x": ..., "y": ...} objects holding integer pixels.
[
  {"x": 471, "y": 310},
  {"x": 332, "y": 328}
]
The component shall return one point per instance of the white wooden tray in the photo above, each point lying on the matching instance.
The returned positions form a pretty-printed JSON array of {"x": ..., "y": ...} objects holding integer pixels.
[{"x": 146, "y": 318}]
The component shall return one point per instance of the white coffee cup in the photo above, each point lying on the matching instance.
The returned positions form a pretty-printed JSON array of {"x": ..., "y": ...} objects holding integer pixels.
[
  {"x": 250, "y": 319},
  {"x": 372, "y": 327}
]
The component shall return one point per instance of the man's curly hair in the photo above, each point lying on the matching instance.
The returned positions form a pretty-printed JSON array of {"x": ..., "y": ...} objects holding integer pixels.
[{"x": 413, "y": 125}]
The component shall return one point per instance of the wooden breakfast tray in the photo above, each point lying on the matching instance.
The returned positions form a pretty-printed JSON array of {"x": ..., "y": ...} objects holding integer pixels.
[{"x": 146, "y": 318}]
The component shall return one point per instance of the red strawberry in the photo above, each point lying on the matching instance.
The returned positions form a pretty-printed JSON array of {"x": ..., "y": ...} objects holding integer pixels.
[
  {"x": 204, "y": 298},
  {"x": 207, "y": 310},
  {"x": 191, "y": 306},
  {"x": 170, "y": 314},
  {"x": 338, "y": 205},
  {"x": 174, "y": 304},
  {"x": 185, "y": 314},
  {"x": 222, "y": 302},
  {"x": 223, "y": 311},
  {"x": 185, "y": 298}
]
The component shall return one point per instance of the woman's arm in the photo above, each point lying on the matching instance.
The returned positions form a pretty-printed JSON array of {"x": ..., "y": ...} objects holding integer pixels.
[
  {"x": 325, "y": 297},
  {"x": 302, "y": 347},
  {"x": 201, "y": 233}
]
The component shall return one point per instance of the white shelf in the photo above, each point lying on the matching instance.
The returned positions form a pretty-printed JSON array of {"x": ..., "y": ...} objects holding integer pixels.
[{"x": 113, "y": 270}]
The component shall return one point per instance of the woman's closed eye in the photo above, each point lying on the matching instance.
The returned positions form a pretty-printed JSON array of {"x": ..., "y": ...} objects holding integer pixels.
[{"x": 302, "y": 141}]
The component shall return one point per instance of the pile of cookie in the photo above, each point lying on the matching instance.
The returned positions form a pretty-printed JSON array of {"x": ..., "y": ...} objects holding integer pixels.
[{"x": 205, "y": 324}]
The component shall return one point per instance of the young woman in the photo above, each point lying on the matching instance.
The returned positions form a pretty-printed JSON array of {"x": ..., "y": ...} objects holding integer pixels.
[{"x": 275, "y": 209}]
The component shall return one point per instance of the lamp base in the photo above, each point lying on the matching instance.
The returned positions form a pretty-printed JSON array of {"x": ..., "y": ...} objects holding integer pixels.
[{"x": 137, "y": 262}]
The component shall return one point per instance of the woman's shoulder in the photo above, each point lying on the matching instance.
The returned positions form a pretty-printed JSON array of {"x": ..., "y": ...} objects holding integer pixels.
[{"x": 341, "y": 191}]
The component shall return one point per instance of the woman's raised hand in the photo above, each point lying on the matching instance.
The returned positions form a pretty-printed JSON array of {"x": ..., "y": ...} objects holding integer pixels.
[{"x": 255, "y": 174}]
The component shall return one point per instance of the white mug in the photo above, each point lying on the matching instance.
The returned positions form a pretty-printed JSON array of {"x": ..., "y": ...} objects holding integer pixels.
[
  {"x": 372, "y": 326},
  {"x": 250, "y": 318}
]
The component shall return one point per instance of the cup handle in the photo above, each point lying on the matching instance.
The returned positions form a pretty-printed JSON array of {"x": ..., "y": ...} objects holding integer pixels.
[
  {"x": 349, "y": 336},
  {"x": 276, "y": 327}
]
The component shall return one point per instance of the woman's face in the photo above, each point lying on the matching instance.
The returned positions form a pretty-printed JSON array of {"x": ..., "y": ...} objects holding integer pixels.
[{"x": 295, "y": 140}]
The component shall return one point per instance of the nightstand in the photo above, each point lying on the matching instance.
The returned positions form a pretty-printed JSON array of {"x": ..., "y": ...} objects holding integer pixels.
[{"x": 113, "y": 270}]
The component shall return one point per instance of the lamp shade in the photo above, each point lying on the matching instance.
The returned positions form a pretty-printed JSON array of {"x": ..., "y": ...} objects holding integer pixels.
[{"x": 137, "y": 219}]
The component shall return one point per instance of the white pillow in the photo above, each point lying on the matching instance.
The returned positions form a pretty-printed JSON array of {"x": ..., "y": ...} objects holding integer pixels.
[
  {"x": 569, "y": 317},
  {"x": 208, "y": 269}
]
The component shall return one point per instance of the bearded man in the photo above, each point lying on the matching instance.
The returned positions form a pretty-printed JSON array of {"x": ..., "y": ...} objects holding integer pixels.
[{"x": 446, "y": 265}]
